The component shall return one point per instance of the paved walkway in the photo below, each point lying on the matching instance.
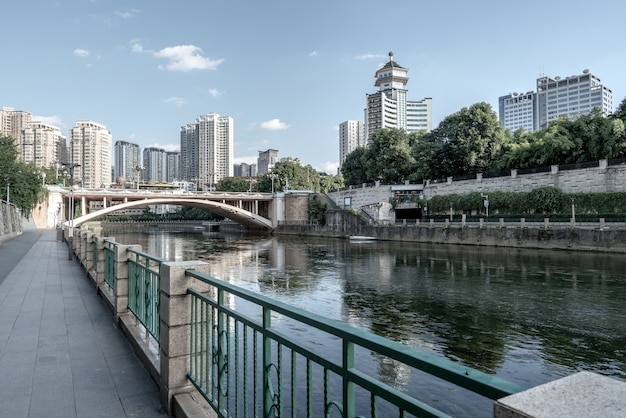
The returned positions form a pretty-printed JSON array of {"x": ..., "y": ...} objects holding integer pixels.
[{"x": 61, "y": 354}]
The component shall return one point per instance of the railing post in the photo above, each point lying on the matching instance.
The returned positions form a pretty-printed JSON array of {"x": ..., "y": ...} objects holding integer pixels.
[
  {"x": 121, "y": 279},
  {"x": 175, "y": 330},
  {"x": 85, "y": 238},
  {"x": 89, "y": 239},
  {"x": 100, "y": 260},
  {"x": 348, "y": 385}
]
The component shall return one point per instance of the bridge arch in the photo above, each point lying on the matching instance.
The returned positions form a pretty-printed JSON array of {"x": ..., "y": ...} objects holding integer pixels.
[{"x": 247, "y": 219}]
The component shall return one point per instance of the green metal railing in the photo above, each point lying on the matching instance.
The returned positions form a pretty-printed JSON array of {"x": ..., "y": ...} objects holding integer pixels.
[
  {"x": 110, "y": 248},
  {"x": 244, "y": 366},
  {"x": 144, "y": 283}
]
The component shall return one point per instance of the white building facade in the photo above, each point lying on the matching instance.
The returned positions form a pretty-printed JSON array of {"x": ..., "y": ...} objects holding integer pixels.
[
  {"x": 555, "y": 98},
  {"x": 389, "y": 107},
  {"x": 43, "y": 145},
  {"x": 516, "y": 111},
  {"x": 90, "y": 153},
  {"x": 351, "y": 137},
  {"x": 207, "y": 148},
  {"x": 127, "y": 161}
]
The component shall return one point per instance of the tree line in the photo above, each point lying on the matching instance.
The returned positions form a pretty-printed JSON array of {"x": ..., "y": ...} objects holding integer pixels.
[{"x": 472, "y": 141}]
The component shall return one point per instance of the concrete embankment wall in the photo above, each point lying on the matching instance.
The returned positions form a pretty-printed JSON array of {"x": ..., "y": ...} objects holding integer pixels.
[
  {"x": 536, "y": 236},
  {"x": 10, "y": 221}
]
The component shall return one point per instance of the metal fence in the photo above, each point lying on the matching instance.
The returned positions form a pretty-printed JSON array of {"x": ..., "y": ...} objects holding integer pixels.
[
  {"x": 109, "y": 263},
  {"x": 245, "y": 366},
  {"x": 144, "y": 286}
]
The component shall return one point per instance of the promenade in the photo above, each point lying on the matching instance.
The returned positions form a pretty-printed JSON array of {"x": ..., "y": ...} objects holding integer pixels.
[{"x": 61, "y": 353}]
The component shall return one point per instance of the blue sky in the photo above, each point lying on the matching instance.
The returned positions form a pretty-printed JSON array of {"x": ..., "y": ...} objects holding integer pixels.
[{"x": 288, "y": 72}]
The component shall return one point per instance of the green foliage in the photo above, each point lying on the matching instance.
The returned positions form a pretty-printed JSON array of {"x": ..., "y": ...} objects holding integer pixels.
[
  {"x": 472, "y": 141},
  {"x": 233, "y": 184},
  {"x": 469, "y": 141},
  {"x": 23, "y": 180},
  {"x": 546, "y": 199},
  {"x": 542, "y": 201},
  {"x": 317, "y": 211},
  {"x": 330, "y": 182},
  {"x": 289, "y": 175}
]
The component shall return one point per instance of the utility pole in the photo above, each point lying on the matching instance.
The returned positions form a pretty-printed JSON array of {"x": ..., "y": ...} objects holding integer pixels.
[{"x": 71, "y": 167}]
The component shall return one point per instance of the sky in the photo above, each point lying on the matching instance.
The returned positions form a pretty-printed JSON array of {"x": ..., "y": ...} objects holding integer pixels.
[{"x": 288, "y": 72}]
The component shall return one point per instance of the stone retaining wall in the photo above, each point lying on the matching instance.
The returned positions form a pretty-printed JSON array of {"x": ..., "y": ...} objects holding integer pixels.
[{"x": 10, "y": 221}]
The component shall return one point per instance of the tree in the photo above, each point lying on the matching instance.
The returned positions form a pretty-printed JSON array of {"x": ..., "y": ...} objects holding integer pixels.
[
  {"x": 233, "y": 184},
  {"x": 389, "y": 156},
  {"x": 330, "y": 182},
  {"x": 353, "y": 168},
  {"x": 20, "y": 180},
  {"x": 289, "y": 175},
  {"x": 466, "y": 142}
]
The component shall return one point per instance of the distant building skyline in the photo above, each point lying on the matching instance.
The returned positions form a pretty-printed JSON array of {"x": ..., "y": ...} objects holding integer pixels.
[
  {"x": 351, "y": 137},
  {"x": 90, "y": 153},
  {"x": 266, "y": 161},
  {"x": 207, "y": 146},
  {"x": 127, "y": 159},
  {"x": 389, "y": 107},
  {"x": 554, "y": 98}
]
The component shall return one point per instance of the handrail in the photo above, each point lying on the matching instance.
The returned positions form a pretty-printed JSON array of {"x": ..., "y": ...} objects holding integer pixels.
[
  {"x": 216, "y": 358},
  {"x": 144, "y": 284}
]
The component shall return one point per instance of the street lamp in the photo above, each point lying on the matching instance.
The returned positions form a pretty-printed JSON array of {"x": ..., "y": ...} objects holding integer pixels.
[
  {"x": 486, "y": 204},
  {"x": 71, "y": 167},
  {"x": 573, "y": 211},
  {"x": 272, "y": 176},
  {"x": 138, "y": 169}
]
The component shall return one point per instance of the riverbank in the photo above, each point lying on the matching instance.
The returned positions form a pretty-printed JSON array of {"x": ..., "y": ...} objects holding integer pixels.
[{"x": 610, "y": 239}]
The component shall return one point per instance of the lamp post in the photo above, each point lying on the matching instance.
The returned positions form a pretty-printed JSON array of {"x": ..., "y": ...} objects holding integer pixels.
[
  {"x": 138, "y": 169},
  {"x": 272, "y": 176},
  {"x": 71, "y": 167},
  {"x": 573, "y": 212},
  {"x": 486, "y": 204}
]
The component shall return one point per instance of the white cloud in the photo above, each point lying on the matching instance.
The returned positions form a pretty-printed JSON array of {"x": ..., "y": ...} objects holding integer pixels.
[
  {"x": 329, "y": 167},
  {"x": 248, "y": 160},
  {"x": 185, "y": 58},
  {"x": 368, "y": 56},
  {"x": 273, "y": 125},
  {"x": 82, "y": 53},
  {"x": 136, "y": 46},
  {"x": 313, "y": 53},
  {"x": 128, "y": 14},
  {"x": 177, "y": 101},
  {"x": 166, "y": 147},
  {"x": 215, "y": 92},
  {"x": 54, "y": 120}
]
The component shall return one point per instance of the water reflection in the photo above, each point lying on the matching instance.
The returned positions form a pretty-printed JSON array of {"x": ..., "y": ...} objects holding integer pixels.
[{"x": 528, "y": 316}]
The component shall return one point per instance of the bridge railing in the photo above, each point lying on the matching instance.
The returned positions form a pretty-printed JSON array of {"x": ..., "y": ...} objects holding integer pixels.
[{"x": 248, "y": 354}]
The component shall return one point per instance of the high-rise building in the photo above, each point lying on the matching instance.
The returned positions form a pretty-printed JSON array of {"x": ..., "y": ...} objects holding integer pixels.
[
  {"x": 554, "y": 98},
  {"x": 266, "y": 161},
  {"x": 189, "y": 152},
  {"x": 351, "y": 137},
  {"x": 389, "y": 107},
  {"x": 154, "y": 165},
  {"x": 173, "y": 166},
  {"x": 206, "y": 148},
  {"x": 578, "y": 94},
  {"x": 516, "y": 110},
  {"x": 127, "y": 162},
  {"x": 245, "y": 170},
  {"x": 43, "y": 145},
  {"x": 13, "y": 122},
  {"x": 90, "y": 153}
]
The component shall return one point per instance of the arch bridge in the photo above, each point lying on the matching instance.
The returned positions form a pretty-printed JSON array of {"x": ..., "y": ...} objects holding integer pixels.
[{"x": 254, "y": 211}]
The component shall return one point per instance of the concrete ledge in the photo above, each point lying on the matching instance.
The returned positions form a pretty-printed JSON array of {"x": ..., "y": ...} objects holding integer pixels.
[
  {"x": 192, "y": 405},
  {"x": 580, "y": 395}
]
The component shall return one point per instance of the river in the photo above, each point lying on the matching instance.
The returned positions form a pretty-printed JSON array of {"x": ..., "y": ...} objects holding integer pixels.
[{"x": 527, "y": 316}]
